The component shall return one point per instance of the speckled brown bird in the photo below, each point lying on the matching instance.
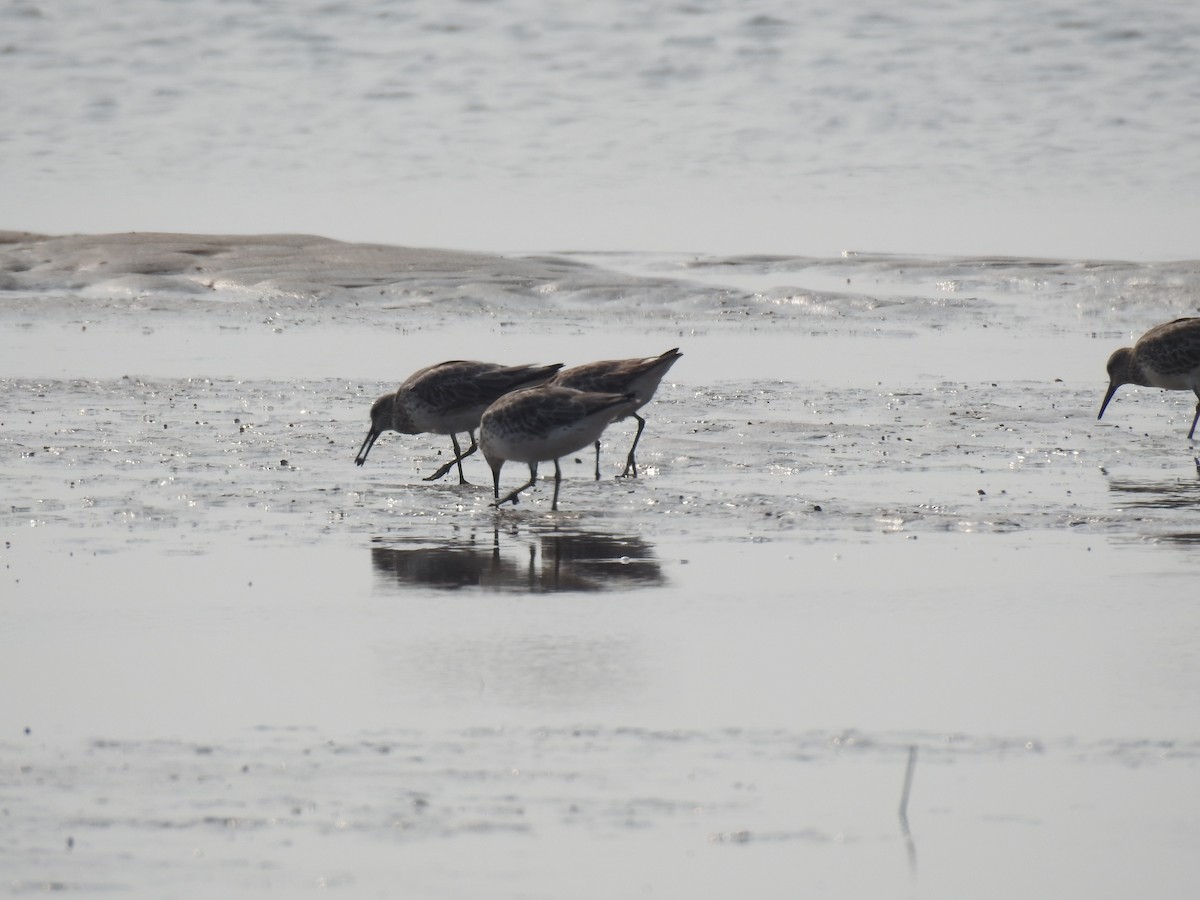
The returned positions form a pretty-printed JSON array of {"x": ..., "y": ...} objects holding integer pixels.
[
  {"x": 545, "y": 423},
  {"x": 448, "y": 398},
  {"x": 1167, "y": 356},
  {"x": 640, "y": 377}
]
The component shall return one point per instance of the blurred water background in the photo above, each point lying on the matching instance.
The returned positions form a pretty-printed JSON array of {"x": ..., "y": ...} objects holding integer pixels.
[{"x": 938, "y": 127}]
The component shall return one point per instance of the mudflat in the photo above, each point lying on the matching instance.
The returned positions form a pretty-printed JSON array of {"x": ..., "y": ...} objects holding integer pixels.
[{"x": 874, "y": 512}]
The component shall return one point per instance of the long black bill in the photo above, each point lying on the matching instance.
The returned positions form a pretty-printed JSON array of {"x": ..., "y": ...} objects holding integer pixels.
[
  {"x": 367, "y": 444},
  {"x": 1112, "y": 389}
]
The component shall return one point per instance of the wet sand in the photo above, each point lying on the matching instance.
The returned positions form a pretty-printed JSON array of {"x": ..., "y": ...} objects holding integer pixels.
[{"x": 866, "y": 522}]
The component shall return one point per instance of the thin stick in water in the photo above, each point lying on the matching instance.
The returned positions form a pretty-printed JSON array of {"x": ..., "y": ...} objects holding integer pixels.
[{"x": 908, "y": 780}]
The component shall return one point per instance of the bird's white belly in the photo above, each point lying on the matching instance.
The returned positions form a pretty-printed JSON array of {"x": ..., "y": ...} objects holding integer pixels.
[
  {"x": 455, "y": 422},
  {"x": 1174, "y": 381},
  {"x": 556, "y": 444}
]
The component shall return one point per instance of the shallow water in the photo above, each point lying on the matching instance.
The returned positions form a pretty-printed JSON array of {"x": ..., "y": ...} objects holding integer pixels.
[{"x": 876, "y": 512}]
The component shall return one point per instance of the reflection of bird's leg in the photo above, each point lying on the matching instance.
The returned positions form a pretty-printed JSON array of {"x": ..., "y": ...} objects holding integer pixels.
[
  {"x": 630, "y": 462},
  {"x": 1196, "y": 417},
  {"x": 597, "y": 459},
  {"x": 512, "y": 495},
  {"x": 459, "y": 456}
]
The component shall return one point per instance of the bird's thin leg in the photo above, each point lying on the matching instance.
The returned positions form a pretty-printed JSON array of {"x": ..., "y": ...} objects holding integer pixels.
[
  {"x": 597, "y": 459},
  {"x": 557, "y": 481},
  {"x": 1195, "y": 418},
  {"x": 462, "y": 479},
  {"x": 630, "y": 462},
  {"x": 512, "y": 495},
  {"x": 459, "y": 456}
]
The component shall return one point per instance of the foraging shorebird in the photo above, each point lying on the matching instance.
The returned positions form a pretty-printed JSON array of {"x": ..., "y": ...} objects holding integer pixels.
[
  {"x": 545, "y": 423},
  {"x": 1167, "y": 356},
  {"x": 639, "y": 377},
  {"x": 447, "y": 399}
]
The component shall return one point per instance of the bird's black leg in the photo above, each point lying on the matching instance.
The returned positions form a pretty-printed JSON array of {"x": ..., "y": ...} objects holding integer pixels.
[
  {"x": 630, "y": 462},
  {"x": 1195, "y": 418},
  {"x": 459, "y": 456},
  {"x": 597, "y": 459},
  {"x": 557, "y": 481},
  {"x": 462, "y": 479},
  {"x": 513, "y": 495}
]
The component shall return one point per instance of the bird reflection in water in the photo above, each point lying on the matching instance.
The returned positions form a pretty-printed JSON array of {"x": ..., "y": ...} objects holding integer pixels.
[
  {"x": 538, "y": 562},
  {"x": 1174, "y": 493},
  {"x": 1157, "y": 502}
]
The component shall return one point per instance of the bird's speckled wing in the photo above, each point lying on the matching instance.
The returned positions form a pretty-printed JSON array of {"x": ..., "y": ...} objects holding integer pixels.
[
  {"x": 1172, "y": 348},
  {"x": 616, "y": 375},
  {"x": 467, "y": 384},
  {"x": 540, "y": 412}
]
